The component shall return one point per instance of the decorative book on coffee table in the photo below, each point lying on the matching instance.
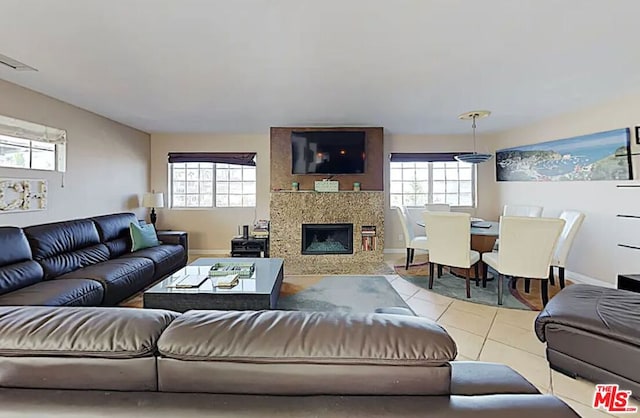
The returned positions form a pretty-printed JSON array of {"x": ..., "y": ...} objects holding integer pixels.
[{"x": 242, "y": 269}]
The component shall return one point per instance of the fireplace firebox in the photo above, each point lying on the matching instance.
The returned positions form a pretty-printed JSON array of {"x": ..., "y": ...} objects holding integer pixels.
[{"x": 327, "y": 239}]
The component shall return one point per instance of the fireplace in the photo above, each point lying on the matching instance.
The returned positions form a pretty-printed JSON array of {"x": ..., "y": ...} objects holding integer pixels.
[{"x": 327, "y": 239}]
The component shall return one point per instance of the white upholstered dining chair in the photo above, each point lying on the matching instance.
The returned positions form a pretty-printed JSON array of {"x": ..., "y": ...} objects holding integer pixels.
[
  {"x": 412, "y": 241},
  {"x": 438, "y": 207},
  {"x": 521, "y": 210},
  {"x": 450, "y": 243},
  {"x": 526, "y": 247},
  {"x": 573, "y": 222}
]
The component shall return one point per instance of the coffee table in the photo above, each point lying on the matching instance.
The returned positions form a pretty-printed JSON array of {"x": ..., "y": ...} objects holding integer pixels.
[{"x": 260, "y": 291}]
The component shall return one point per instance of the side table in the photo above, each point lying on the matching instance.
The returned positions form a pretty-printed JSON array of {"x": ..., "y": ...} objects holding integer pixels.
[
  {"x": 168, "y": 236},
  {"x": 629, "y": 282},
  {"x": 250, "y": 247}
]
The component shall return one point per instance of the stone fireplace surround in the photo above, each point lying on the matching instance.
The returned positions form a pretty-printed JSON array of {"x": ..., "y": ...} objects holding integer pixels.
[{"x": 291, "y": 209}]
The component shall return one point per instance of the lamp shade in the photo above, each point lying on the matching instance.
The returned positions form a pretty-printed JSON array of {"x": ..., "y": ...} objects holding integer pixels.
[{"x": 153, "y": 200}]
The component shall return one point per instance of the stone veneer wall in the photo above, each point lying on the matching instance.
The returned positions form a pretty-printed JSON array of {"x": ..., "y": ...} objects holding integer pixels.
[{"x": 289, "y": 210}]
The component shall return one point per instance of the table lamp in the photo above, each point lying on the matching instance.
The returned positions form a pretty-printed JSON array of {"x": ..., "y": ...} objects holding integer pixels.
[{"x": 153, "y": 200}]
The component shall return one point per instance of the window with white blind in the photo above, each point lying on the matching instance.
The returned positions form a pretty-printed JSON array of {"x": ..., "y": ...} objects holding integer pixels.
[
  {"x": 418, "y": 183},
  {"x": 208, "y": 185},
  {"x": 31, "y": 146}
]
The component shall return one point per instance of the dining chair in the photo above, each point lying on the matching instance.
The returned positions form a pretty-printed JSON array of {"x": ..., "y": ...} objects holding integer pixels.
[
  {"x": 450, "y": 243},
  {"x": 526, "y": 247},
  {"x": 438, "y": 207},
  {"x": 573, "y": 222},
  {"x": 521, "y": 210},
  {"x": 412, "y": 242}
]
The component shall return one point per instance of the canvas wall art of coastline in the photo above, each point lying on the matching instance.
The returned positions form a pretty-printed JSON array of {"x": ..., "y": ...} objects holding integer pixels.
[{"x": 598, "y": 156}]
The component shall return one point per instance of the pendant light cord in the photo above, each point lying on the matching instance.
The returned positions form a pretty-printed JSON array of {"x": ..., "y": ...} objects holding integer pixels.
[{"x": 473, "y": 125}]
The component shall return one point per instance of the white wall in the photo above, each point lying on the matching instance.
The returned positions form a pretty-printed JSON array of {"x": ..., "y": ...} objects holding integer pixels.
[
  {"x": 107, "y": 163},
  {"x": 595, "y": 254},
  {"x": 210, "y": 230}
]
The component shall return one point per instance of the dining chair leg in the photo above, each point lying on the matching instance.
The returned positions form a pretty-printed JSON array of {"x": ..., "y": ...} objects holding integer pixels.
[
  {"x": 476, "y": 268},
  {"x": 406, "y": 266},
  {"x": 485, "y": 271},
  {"x": 439, "y": 270},
  {"x": 500, "y": 285},
  {"x": 552, "y": 280},
  {"x": 561, "y": 274},
  {"x": 514, "y": 282},
  {"x": 468, "y": 280},
  {"x": 544, "y": 290},
  {"x": 430, "y": 275},
  {"x": 413, "y": 253},
  {"x": 527, "y": 285}
]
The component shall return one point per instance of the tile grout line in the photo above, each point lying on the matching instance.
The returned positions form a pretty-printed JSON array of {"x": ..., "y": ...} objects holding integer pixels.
[{"x": 486, "y": 337}]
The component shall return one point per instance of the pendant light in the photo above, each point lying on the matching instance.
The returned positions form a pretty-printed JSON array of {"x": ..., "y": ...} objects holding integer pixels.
[{"x": 476, "y": 157}]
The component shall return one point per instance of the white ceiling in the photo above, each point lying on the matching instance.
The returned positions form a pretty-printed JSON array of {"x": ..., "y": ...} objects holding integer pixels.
[{"x": 244, "y": 65}]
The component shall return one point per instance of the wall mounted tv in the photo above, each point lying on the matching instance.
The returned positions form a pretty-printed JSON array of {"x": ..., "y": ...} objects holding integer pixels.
[{"x": 328, "y": 152}]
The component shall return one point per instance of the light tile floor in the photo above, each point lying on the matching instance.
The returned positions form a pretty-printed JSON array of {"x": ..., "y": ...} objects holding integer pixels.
[{"x": 499, "y": 335}]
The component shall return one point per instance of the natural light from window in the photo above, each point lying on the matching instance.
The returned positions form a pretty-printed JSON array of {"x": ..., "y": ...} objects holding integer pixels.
[
  {"x": 23, "y": 153},
  {"x": 421, "y": 183},
  {"x": 208, "y": 185}
]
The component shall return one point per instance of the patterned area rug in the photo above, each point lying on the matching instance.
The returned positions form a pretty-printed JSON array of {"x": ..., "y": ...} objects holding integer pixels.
[
  {"x": 346, "y": 294},
  {"x": 453, "y": 286}
]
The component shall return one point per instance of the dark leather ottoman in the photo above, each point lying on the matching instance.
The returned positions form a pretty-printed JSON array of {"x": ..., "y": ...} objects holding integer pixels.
[{"x": 593, "y": 332}]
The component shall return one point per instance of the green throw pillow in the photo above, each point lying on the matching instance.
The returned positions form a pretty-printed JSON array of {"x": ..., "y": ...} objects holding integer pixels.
[{"x": 143, "y": 236}]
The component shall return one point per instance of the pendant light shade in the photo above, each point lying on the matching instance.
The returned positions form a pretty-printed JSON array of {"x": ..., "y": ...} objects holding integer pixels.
[{"x": 475, "y": 157}]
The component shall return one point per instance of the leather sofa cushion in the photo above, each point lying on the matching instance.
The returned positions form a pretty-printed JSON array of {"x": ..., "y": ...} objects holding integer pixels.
[
  {"x": 19, "y": 275},
  {"x": 69, "y": 292},
  {"x": 81, "y": 332},
  {"x": 62, "y": 247},
  {"x": 14, "y": 244},
  {"x": 166, "y": 258},
  {"x": 611, "y": 313},
  {"x": 120, "y": 278},
  {"x": 114, "y": 232},
  {"x": 304, "y": 353},
  {"x": 291, "y": 336},
  {"x": 472, "y": 378}
]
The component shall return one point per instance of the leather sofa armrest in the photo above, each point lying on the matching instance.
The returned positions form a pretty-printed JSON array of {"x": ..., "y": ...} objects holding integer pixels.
[{"x": 176, "y": 238}]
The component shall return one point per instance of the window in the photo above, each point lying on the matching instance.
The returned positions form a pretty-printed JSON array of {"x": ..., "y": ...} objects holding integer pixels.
[
  {"x": 31, "y": 146},
  {"x": 207, "y": 185},
  {"x": 421, "y": 183}
]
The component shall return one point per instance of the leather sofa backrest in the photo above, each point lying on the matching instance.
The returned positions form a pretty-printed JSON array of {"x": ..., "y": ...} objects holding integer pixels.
[
  {"x": 80, "y": 348},
  {"x": 17, "y": 269},
  {"x": 114, "y": 232},
  {"x": 62, "y": 247},
  {"x": 304, "y": 353}
]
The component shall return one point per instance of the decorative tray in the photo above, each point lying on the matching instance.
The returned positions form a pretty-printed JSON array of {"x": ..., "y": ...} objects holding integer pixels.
[{"x": 223, "y": 269}]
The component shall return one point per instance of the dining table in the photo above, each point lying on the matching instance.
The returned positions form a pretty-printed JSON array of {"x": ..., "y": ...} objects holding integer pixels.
[{"x": 483, "y": 237}]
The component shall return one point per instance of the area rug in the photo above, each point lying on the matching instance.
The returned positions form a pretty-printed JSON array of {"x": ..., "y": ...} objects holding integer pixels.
[
  {"x": 346, "y": 294},
  {"x": 361, "y": 294},
  {"x": 453, "y": 286}
]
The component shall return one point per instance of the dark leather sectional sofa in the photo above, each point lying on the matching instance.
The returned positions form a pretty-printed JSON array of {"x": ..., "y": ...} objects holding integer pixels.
[
  {"x": 83, "y": 262},
  {"x": 123, "y": 362},
  {"x": 592, "y": 332}
]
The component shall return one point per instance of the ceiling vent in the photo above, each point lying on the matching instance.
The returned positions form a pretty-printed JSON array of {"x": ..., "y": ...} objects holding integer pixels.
[{"x": 16, "y": 65}]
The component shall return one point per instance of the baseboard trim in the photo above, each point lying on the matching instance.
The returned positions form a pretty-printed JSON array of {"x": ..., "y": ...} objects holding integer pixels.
[
  {"x": 581, "y": 278},
  {"x": 209, "y": 252}
]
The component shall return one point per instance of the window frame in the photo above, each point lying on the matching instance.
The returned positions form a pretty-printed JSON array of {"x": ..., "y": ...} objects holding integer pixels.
[
  {"x": 214, "y": 188},
  {"x": 430, "y": 179}
]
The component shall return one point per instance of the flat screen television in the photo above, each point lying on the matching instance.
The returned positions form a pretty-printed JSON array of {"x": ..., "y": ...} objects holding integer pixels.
[{"x": 328, "y": 152}]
